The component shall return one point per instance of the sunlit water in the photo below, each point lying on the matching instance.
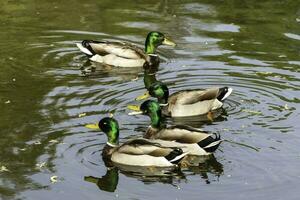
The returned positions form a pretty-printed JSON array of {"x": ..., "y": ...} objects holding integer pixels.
[{"x": 46, "y": 99}]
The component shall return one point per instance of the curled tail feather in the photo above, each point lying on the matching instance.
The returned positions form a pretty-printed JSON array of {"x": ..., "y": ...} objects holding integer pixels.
[
  {"x": 85, "y": 47},
  {"x": 224, "y": 92},
  {"x": 211, "y": 144}
]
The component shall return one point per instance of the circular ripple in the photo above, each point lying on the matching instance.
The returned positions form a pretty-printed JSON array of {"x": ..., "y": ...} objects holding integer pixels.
[{"x": 251, "y": 122}]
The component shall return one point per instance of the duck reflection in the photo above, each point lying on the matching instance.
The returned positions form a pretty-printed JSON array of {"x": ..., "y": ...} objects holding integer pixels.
[
  {"x": 206, "y": 167},
  {"x": 150, "y": 76},
  {"x": 108, "y": 182},
  {"x": 92, "y": 69}
]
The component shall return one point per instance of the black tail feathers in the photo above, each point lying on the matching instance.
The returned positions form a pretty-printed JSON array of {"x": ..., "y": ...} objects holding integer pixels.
[
  {"x": 171, "y": 156},
  {"x": 86, "y": 44},
  {"x": 222, "y": 92},
  {"x": 210, "y": 144}
]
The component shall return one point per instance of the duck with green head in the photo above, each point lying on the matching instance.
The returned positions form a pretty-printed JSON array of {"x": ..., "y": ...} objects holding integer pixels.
[
  {"x": 137, "y": 152},
  {"x": 187, "y": 102},
  {"x": 195, "y": 140},
  {"x": 124, "y": 54}
]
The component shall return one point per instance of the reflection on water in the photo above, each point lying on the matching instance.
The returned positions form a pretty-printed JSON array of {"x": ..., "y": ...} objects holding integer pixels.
[
  {"x": 252, "y": 46},
  {"x": 109, "y": 181}
]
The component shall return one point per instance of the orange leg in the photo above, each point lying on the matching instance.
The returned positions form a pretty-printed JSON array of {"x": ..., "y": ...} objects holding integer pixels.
[{"x": 210, "y": 116}]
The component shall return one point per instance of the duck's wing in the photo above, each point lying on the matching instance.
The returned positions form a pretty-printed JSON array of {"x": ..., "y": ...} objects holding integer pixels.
[
  {"x": 120, "y": 49},
  {"x": 189, "y": 135},
  {"x": 147, "y": 147},
  {"x": 186, "y": 127},
  {"x": 181, "y": 135},
  {"x": 187, "y": 97}
]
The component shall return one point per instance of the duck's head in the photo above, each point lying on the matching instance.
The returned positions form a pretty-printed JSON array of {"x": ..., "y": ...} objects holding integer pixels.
[
  {"x": 154, "y": 39},
  {"x": 110, "y": 127},
  {"x": 152, "y": 109}
]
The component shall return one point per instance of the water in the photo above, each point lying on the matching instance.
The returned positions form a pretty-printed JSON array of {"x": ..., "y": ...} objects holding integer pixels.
[{"x": 250, "y": 46}]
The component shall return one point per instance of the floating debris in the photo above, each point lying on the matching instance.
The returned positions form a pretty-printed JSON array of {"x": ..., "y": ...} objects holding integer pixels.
[
  {"x": 111, "y": 115},
  {"x": 54, "y": 179},
  {"x": 7, "y": 102},
  {"x": 4, "y": 169},
  {"x": 252, "y": 111},
  {"x": 135, "y": 79},
  {"x": 40, "y": 165},
  {"x": 278, "y": 76},
  {"x": 264, "y": 73},
  {"x": 53, "y": 141},
  {"x": 82, "y": 115},
  {"x": 37, "y": 142},
  {"x": 282, "y": 56},
  {"x": 286, "y": 107}
]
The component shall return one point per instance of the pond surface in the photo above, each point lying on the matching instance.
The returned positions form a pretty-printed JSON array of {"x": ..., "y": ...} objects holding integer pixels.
[{"x": 252, "y": 46}]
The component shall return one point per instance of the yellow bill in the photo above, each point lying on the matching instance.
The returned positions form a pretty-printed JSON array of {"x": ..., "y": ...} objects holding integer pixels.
[
  {"x": 168, "y": 42},
  {"x": 134, "y": 107},
  {"x": 146, "y": 95},
  {"x": 92, "y": 126}
]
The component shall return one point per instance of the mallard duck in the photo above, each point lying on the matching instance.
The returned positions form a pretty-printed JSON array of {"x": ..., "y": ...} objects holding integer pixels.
[
  {"x": 195, "y": 140},
  {"x": 137, "y": 152},
  {"x": 187, "y": 102},
  {"x": 124, "y": 54}
]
